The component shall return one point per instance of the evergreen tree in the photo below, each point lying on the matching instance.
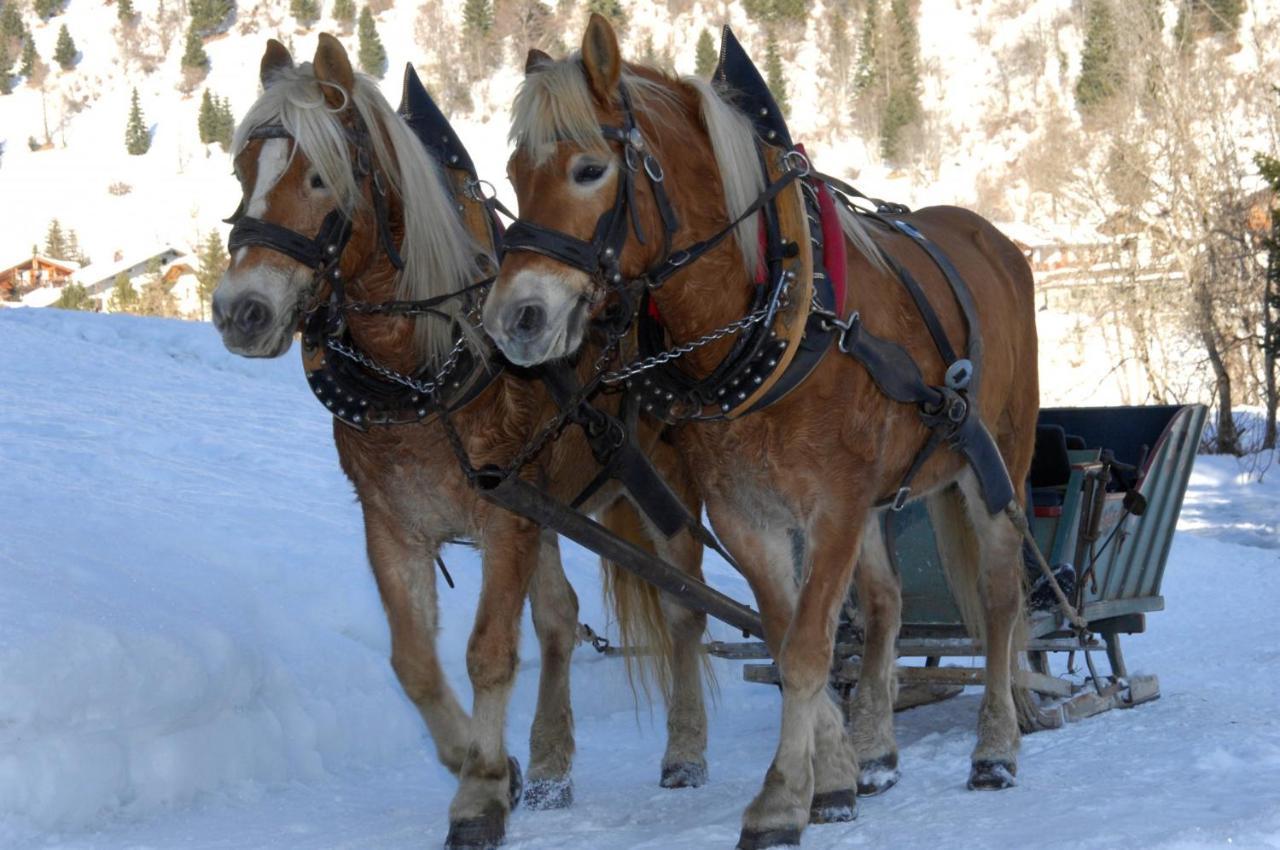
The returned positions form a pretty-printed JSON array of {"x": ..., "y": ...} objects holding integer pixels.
[
  {"x": 902, "y": 106},
  {"x": 774, "y": 75},
  {"x": 769, "y": 12},
  {"x": 307, "y": 12},
  {"x": 29, "y": 56},
  {"x": 611, "y": 10},
  {"x": 213, "y": 262},
  {"x": 11, "y": 28},
  {"x": 705, "y": 55},
  {"x": 372, "y": 55},
  {"x": 208, "y": 16},
  {"x": 194, "y": 57},
  {"x": 137, "y": 138},
  {"x": 55, "y": 242},
  {"x": 6, "y": 62},
  {"x": 124, "y": 298},
  {"x": 46, "y": 9},
  {"x": 477, "y": 18},
  {"x": 207, "y": 118},
  {"x": 1101, "y": 74},
  {"x": 74, "y": 297},
  {"x": 866, "y": 76},
  {"x": 344, "y": 12},
  {"x": 124, "y": 11},
  {"x": 65, "y": 51},
  {"x": 74, "y": 251},
  {"x": 215, "y": 122}
]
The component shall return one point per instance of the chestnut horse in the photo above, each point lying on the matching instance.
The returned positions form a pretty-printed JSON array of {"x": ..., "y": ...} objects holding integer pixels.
[
  {"x": 795, "y": 490},
  {"x": 297, "y": 163}
]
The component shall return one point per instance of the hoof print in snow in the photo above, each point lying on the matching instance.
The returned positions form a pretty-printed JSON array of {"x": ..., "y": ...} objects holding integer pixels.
[
  {"x": 752, "y": 839},
  {"x": 877, "y": 775},
  {"x": 992, "y": 775},
  {"x": 515, "y": 779},
  {"x": 544, "y": 794},
  {"x": 684, "y": 774},
  {"x": 834, "y": 806},
  {"x": 482, "y": 833}
]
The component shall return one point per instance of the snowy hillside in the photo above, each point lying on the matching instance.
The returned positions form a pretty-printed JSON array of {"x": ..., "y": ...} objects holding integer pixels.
[
  {"x": 192, "y": 652},
  {"x": 996, "y": 77}
]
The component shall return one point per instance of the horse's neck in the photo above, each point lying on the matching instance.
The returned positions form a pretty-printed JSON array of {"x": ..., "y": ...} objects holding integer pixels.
[
  {"x": 712, "y": 292},
  {"x": 388, "y": 340}
]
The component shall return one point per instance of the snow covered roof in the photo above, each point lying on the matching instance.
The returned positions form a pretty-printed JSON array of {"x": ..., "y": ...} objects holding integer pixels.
[
  {"x": 101, "y": 276},
  {"x": 69, "y": 265}
]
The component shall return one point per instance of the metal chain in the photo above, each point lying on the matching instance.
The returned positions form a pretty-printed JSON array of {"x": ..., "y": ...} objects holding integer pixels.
[
  {"x": 684, "y": 348},
  {"x": 427, "y": 388}
]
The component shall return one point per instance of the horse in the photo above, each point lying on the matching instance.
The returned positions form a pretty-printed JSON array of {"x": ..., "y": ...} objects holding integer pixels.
[
  {"x": 797, "y": 490},
  {"x": 322, "y": 152}
]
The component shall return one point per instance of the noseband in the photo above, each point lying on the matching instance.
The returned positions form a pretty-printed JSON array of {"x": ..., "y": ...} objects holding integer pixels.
[{"x": 322, "y": 252}]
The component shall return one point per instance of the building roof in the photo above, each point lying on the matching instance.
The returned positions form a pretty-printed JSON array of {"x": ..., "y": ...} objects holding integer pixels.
[{"x": 67, "y": 265}]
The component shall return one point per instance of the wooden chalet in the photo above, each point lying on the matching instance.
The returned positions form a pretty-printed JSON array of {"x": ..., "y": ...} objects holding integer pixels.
[{"x": 35, "y": 272}]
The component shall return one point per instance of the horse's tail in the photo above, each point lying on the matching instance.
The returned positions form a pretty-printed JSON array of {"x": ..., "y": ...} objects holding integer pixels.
[{"x": 644, "y": 627}]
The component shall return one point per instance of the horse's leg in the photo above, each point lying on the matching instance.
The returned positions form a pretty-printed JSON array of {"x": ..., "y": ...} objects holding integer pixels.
[
  {"x": 814, "y": 772},
  {"x": 555, "y": 619},
  {"x": 670, "y": 634},
  {"x": 404, "y": 568},
  {"x": 871, "y": 715},
  {"x": 487, "y": 791},
  {"x": 684, "y": 765},
  {"x": 995, "y": 759}
]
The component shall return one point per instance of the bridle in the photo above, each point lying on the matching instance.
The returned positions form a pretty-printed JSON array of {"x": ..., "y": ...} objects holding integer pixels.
[
  {"x": 600, "y": 259},
  {"x": 322, "y": 252}
]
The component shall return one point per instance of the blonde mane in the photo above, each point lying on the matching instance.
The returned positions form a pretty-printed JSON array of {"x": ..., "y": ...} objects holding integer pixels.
[
  {"x": 554, "y": 104},
  {"x": 439, "y": 254}
]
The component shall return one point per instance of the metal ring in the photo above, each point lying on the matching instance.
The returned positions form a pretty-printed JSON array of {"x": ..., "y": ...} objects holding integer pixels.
[
  {"x": 474, "y": 188},
  {"x": 790, "y": 158},
  {"x": 654, "y": 169},
  {"x": 630, "y": 157}
]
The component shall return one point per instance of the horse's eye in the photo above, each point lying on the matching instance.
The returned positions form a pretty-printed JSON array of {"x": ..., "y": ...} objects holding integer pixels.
[
  {"x": 588, "y": 173},
  {"x": 317, "y": 182}
]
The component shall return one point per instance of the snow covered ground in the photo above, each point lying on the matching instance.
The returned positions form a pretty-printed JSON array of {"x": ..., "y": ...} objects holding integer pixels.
[{"x": 192, "y": 652}]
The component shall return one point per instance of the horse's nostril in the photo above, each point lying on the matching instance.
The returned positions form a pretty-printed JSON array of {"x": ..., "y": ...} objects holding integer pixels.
[
  {"x": 527, "y": 321},
  {"x": 251, "y": 315}
]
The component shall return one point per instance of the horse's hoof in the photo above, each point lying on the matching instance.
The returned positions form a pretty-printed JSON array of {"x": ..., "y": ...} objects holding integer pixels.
[
  {"x": 515, "y": 782},
  {"x": 753, "y": 839},
  {"x": 483, "y": 833},
  {"x": 877, "y": 775},
  {"x": 545, "y": 794},
  {"x": 992, "y": 775},
  {"x": 834, "y": 806},
  {"x": 684, "y": 774}
]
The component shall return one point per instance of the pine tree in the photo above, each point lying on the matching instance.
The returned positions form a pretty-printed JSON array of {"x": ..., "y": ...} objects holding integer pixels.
[
  {"x": 224, "y": 123},
  {"x": 124, "y": 11},
  {"x": 65, "y": 51},
  {"x": 705, "y": 55},
  {"x": 55, "y": 242},
  {"x": 610, "y": 9},
  {"x": 902, "y": 106},
  {"x": 1101, "y": 75},
  {"x": 306, "y": 12},
  {"x": 207, "y": 118},
  {"x": 74, "y": 251},
  {"x": 866, "y": 76},
  {"x": 372, "y": 55},
  {"x": 770, "y": 12},
  {"x": 137, "y": 138},
  {"x": 124, "y": 298},
  {"x": 29, "y": 56},
  {"x": 477, "y": 18},
  {"x": 74, "y": 297},
  {"x": 46, "y": 9},
  {"x": 194, "y": 57},
  {"x": 208, "y": 16},
  {"x": 11, "y": 28},
  {"x": 344, "y": 12},
  {"x": 6, "y": 62},
  {"x": 774, "y": 75},
  {"x": 213, "y": 262}
]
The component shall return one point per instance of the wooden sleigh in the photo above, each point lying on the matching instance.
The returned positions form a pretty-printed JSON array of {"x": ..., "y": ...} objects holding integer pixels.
[{"x": 1118, "y": 543}]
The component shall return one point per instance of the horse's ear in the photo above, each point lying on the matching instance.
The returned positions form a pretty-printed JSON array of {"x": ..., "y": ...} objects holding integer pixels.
[
  {"x": 274, "y": 60},
  {"x": 601, "y": 58},
  {"x": 535, "y": 60},
  {"x": 334, "y": 68}
]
